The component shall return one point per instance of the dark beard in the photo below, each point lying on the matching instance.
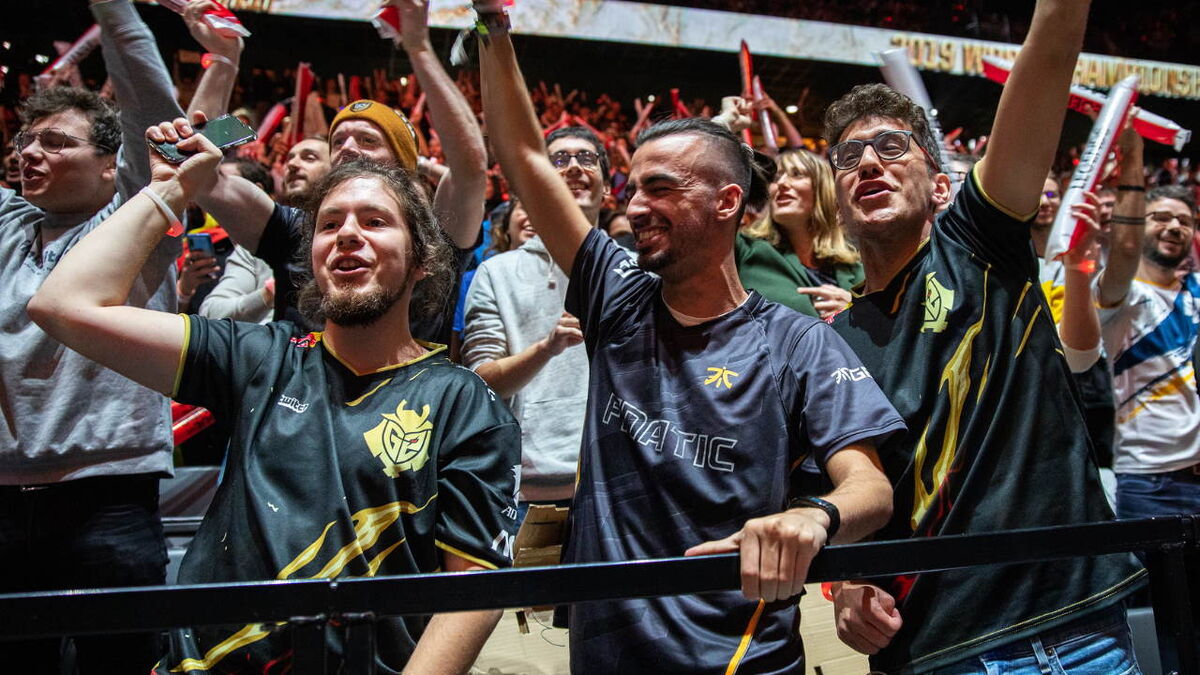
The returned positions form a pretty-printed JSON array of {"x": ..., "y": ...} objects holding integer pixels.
[
  {"x": 1151, "y": 252},
  {"x": 358, "y": 309}
]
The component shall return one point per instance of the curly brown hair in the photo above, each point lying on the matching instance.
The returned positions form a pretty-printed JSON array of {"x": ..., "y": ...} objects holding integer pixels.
[
  {"x": 430, "y": 247},
  {"x": 102, "y": 113},
  {"x": 880, "y": 100}
]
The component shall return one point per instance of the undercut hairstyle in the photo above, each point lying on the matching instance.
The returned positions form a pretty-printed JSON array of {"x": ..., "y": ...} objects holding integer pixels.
[
  {"x": 879, "y": 100},
  {"x": 255, "y": 173},
  {"x": 585, "y": 134},
  {"x": 1176, "y": 192},
  {"x": 429, "y": 246},
  {"x": 101, "y": 113},
  {"x": 735, "y": 157}
]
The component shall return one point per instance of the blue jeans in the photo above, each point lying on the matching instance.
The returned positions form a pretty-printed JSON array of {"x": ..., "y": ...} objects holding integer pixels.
[
  {"x": 1156, "y": 494},
  {"x": 1097, "y": 644}
]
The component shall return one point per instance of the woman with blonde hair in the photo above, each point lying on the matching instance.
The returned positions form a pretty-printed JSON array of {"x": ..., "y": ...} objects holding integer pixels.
[{"x": 797, "y": 254}]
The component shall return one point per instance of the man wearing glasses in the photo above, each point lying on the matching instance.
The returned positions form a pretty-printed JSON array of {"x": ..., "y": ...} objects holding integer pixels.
[
  {"x": 952, "y": 324},
  {"x": 1149, "y": 316},
  {"x": 524, "y": 345},
  {"x": 81, "y": 447}
]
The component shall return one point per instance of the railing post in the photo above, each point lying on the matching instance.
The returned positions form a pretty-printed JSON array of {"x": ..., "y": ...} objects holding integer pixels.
[
  {"x": 360, "y": 643},
  {"x": 1173, "y": 609},
  {"x": 308, "y": 644}
]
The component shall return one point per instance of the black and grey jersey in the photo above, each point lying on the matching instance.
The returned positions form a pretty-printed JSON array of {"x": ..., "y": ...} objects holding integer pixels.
[{"x": 692, "y": 431}]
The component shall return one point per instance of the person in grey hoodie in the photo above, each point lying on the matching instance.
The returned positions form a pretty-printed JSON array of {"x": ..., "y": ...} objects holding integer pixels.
[
  {"x": 521, "y": 342},
  {"x": 81, "y": 447}
]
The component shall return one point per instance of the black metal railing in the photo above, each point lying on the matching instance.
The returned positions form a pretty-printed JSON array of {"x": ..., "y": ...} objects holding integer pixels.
[{"x": 308, "y": 605}]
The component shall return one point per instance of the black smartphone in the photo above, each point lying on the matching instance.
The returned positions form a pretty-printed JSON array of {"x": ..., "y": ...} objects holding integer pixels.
[
  {"x": 226, "y": 131},
  {"x": 201, "y": 241}
]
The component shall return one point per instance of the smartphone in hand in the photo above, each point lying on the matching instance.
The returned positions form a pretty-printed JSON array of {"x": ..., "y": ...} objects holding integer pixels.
[{"x": 226, "y": 131}]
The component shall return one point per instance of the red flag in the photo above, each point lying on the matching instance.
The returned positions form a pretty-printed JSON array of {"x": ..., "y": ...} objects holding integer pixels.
[
  {"x": 746, "y": 63},
  {"x": 304, "y": 83}
]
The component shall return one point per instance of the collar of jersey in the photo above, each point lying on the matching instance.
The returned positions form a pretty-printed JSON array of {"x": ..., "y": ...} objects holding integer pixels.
[
  {"x": 433, "y": 348},
  {"x": 856, "y": 292}
]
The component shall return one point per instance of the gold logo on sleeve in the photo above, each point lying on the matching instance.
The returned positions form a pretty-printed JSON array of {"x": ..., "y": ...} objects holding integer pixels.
[
  {"x": 939, "y": 300},
  {"x": 401, "y": 440}
]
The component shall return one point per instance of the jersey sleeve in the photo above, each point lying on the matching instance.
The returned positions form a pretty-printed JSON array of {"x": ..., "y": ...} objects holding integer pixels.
[
  {"x": 484, "y": 338},
  {"x": 990, "y": 232},
  {"x": 478, "y": 466},
  {"x": 606, "y": 284},
  {"x": 840, "y": 402},
  {"x": 219, "y": 361}
]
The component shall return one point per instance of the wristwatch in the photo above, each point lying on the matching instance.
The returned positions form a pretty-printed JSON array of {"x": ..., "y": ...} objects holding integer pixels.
[{"x": 835, "y": 519}]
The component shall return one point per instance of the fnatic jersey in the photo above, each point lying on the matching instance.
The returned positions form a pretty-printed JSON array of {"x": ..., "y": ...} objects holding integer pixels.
[
  {"x": 963, "y": 344},
  {"x": 690, "y": 432},
  {"x": 332, "y": 473}
]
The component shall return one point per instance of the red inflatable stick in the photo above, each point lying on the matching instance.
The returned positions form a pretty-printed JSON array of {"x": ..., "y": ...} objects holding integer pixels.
[
  {"x": 74, "y": 54},
  {"x": 221, "y": 19},
  {"x": 1148, "y": 125}
]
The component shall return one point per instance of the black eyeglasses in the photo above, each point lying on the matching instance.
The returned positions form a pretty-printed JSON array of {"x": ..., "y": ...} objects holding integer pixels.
[
  {"x": 1164, "y": 218},
  {"x": 888, "y": 145},
  {"x": 586, "y": 158},
  {"x": 52, "y": 140}
]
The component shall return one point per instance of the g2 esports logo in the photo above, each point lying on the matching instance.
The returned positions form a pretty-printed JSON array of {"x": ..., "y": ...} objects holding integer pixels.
[{"x": 401, "y": 440}]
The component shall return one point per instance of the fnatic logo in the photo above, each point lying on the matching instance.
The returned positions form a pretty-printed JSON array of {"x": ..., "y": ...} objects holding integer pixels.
[
  {"x": 939, "y": 300},
  {"x": 360, "y": 106},
  {"x": 720, "y": 377},
  {"x": 401, "y": 440}
]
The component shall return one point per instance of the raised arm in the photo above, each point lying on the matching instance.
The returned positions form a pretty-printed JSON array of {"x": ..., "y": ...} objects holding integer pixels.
[
  {"x": 1032, "y": 106},
  {"x": 1128, "y": 225},
  {"x": 241, "y": 207},
  {"x": 1080, "y": 324},
  {"x": 82, "y": 302},
  {"x": 459, "y": 199},
  {"x": 212, "y": 94},
  {"x": 142, "y": 85},
  {"x": 517, "y": 140}
]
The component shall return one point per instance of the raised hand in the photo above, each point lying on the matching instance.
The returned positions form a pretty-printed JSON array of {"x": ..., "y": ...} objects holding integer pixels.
[
  {"x": 198, "y": 173},
  {"x": 210, "y": 38}
]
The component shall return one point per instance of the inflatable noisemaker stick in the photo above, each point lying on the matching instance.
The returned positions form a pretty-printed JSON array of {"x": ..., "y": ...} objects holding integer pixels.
[
  {"x": 746, "y": 65},
  {"x": 221, "y": 19},
  {"x": 902, "y": 76},
  {"x": 1065, "y": 232},
  {"x": 1148, "y": 125},
  {"x": 73, "y": 55},
  {"x": 764, "y": 118},
  {"x": 304, "y": 83}
]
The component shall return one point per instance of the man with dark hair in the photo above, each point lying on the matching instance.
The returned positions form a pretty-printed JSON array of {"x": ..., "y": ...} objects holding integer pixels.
[
  {"x": 520, "y": 341},
  {"x": 703, "y": 399},
  {"x": 306, "y": 163},
  {"x": 81, "y": 448},
  {"x": 1150, "y": 317},
  {"x": 372, "y": 130},
  {"x": 353, "y": 452},
  {"x": 951, "y": 323}
]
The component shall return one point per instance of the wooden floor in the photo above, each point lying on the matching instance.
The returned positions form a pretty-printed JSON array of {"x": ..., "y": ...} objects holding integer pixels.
[{"x": 543, "y": 651}]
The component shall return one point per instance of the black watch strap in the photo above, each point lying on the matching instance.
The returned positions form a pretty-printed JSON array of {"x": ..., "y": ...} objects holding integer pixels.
[{"x": 835, "y": 519}]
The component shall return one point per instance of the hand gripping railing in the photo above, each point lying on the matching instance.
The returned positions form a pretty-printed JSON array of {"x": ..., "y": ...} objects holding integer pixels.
[{"x": 308, "y": 605}]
